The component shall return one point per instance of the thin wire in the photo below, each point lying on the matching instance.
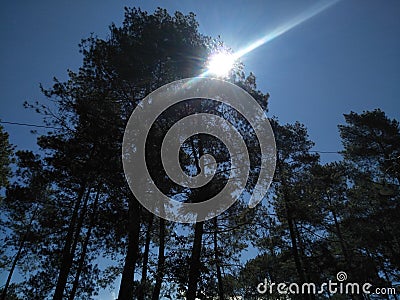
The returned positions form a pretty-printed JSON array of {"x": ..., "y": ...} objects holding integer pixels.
[
  {"x": 50, "y": 127},
  {"x": 29, "y": 125},
  {"x": 326, "y": 152}
]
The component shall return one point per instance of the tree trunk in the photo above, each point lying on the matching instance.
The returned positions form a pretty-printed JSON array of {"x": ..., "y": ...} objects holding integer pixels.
[
  {"x": 18, "y": 255},
  {"x": 14, "y": 264},
  {"x": 343, "y": 247},
  {"x": 194, "y": 268},
  {"x": 303, "y": 259},
  {"x": 341, "y": 239},
  {"x": 295, "y": 250},
  {"x": 128, "y": 273},
  {"x": 84, "y": 247},
  {"x": 217, "y": 261},
  {"x": 195, "y": 265},
  {"x": 67, "y": 256},
  {"x": 142, "y": 286},
  {"x": 160, "y": 263}
]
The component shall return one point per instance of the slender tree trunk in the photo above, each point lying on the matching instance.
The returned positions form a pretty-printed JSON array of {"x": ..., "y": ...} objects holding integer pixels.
[
  {"x": 67, "y": 256},
  {"x": 160, "y": 263},
  {"x": 271, "y": 247},
  {"x": 303, "y": 259},
  {"x": 126, "y": 287},
  {"x": 295, "y": 250},
  {"x": 80, "y": 222},
  {"x": 217, "y": 261},
  {"x": 14, "y": 264},
  {"x": 343, "y": 247},
  {"x": 341, "y": 239},
  {"x": 18, "y": 255},
  {"x": 289, "y": 219},
  {"x": 195, "y": 265},
  {"x": 84, "y": 247},
  {"x": 143, "y": 281}
]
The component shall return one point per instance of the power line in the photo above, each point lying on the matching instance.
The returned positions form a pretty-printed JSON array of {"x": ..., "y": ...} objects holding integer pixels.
[
  {"x": 50, "y": 127},
  {"x": 29, "y": 125},
  {"x": 325, "y": 152}
]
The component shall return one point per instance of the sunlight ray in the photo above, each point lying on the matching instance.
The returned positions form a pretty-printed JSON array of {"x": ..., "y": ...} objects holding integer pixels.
[
  {"x": 299, "y": 19},
  {"x": 280, "y": 30}
]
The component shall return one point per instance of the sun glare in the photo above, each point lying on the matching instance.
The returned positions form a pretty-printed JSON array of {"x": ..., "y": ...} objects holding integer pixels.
[{"x": 220, "y": 64}]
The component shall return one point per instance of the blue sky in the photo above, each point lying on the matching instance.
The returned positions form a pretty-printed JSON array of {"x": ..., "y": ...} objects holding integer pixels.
[{"x": 345, "y": 58}]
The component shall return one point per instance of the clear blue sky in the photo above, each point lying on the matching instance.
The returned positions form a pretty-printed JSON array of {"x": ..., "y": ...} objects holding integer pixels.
[{"x": 345, "y": 58}]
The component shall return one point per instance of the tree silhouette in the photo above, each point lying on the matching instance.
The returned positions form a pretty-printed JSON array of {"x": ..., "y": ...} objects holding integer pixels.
[{"x": 69, "y": 207}]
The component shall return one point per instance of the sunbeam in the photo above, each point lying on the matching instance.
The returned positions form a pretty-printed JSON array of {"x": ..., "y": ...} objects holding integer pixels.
[
  {"x": 280, "y": 30},
  {"x": 306, "y": 15}
]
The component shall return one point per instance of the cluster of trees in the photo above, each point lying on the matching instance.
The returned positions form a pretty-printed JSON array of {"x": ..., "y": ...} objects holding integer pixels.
[{"x": 71, "y": 226}]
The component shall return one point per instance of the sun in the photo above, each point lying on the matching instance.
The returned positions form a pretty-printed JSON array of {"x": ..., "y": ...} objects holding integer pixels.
[{"x": 219, "y": 64}]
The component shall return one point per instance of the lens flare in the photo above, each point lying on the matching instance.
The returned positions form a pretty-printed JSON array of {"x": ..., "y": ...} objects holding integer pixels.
[
  {"x": 301, "y": 18},
  {"x": 220, "y": 64}
]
